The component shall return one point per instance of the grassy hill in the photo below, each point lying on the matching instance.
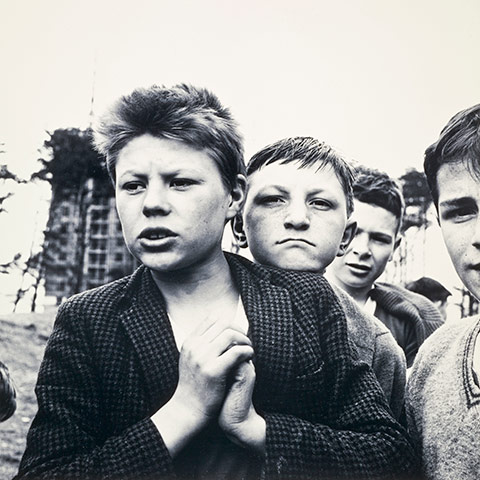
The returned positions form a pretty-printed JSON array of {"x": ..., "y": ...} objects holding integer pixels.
[{"x": 22, "y": 341}]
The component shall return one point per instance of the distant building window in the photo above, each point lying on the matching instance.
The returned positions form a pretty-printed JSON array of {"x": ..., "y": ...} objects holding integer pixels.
[
  {"x": 62, "y": 256},
  {"x": 100, "y": 214},
  {"x": 118, "y": 257},
  {"x": 119, "y": 242},
  {"x": 65, "y": 210}
]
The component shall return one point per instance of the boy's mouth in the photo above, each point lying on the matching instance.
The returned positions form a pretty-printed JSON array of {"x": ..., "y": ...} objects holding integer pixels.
[
  {"x": 295, "y": 240},
  {"x": 358, "y": 268},
  {"x": 158, "y": 233}
]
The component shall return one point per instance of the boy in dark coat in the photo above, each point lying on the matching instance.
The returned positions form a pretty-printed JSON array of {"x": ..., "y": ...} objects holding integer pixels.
[
  {"x": 201, "y": 364},
  {"x": 297, "y": 215}
]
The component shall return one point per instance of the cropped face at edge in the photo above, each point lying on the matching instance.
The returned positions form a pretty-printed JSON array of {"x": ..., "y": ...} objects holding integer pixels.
[
  {"x": 458, "y": 211},
  {"x": 294, "y": 218},
  {"x": 172, "y": 203}
]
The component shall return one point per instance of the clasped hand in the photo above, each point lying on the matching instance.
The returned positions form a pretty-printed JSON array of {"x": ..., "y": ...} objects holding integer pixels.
[{"x": 216, "y": 381}]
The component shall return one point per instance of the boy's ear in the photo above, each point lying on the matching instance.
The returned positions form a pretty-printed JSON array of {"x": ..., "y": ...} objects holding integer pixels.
[
  {"x": 238, "y": 194},
  {"x": 347, "y": 238},
  {"x": 238, "y": 232},
  {"x": 397, "y": 243}
]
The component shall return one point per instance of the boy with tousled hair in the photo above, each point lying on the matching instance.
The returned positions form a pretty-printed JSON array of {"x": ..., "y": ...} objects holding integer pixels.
[
  {"x": 200, "y": 364},
  {"x": 297, "y": 216},
  {"x": 443, "y": 395},
  {"x": 379, "y": 207}
]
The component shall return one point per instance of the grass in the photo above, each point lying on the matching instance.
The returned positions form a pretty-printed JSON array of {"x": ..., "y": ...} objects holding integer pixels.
[{"x": 22, "y": 341}]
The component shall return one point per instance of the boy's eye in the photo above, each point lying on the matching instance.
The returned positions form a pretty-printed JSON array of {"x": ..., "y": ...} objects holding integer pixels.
[
  {"x": 460, "y": 214},
  {"x": 271, "y": 200},
  {"x": 381, "y": 239},
  {"x": 321, "y": 203},
  {"x": 182, "y": 183},
  {"x": 133, "y": 187}
]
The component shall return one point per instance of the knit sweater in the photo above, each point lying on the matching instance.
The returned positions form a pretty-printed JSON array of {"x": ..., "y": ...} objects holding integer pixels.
[
  {"x": 376, "y": 347},
  {"x": 410, "y": 317},
  {"x": 443, "y": 403}
]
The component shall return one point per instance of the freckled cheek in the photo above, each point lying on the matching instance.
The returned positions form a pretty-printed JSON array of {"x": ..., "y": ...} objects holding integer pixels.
[
  {"x": 259, "y": 225},
  {"x": 205, "y": 212}
]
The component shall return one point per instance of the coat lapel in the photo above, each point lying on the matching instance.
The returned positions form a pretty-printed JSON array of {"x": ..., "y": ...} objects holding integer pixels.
[
  {"x": 269, "y": 311},
  {"x": 146, "y": 324}
]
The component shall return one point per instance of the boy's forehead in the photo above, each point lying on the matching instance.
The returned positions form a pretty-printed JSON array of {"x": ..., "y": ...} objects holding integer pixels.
[
  {"x": 375, "y": 217},
  {"x": 457, "y": 179},
  {"x": 294, "y": 174}
]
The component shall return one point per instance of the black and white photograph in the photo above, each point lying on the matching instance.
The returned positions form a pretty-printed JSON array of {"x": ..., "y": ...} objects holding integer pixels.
[{"x": 240, "y": 240}]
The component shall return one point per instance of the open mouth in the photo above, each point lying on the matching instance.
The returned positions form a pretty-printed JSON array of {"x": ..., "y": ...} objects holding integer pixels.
[{"x": 156, "y": 237}]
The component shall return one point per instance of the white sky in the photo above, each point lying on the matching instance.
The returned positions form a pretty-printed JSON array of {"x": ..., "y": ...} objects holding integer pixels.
[{"x": 375, "y": 78}]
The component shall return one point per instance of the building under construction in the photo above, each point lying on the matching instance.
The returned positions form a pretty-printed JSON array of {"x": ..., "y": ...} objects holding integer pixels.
[{"x": 83, "y": 246}]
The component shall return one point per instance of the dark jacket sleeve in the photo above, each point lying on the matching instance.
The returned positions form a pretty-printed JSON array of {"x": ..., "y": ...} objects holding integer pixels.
[
  {"x": 8, "y": 402},
  {"x": 377, "y": 347},
  {"x": 67, "y": 437},
  {"x": 353, "y": 434}
]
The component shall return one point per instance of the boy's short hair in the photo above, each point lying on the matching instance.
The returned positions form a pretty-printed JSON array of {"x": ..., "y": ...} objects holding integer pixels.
[
  {"x": 430, "y": 288},
  {"x": 378, "y": 188},
  {"x": 459, "y": 141},
  {"x": 308, "y": 152},
  {"x": 183, "y": 113}
]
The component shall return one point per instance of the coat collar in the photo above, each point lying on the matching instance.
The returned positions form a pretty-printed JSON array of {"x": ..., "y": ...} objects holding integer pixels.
[
  {"x": 147, "y": 325},
  {"x": 269, "y": 311}
]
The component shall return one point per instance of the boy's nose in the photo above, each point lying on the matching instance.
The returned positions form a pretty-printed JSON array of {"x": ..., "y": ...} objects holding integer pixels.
[
  {"x": 476, "y": 234},
  {"x": 361, "y": 246},
  {"x": 156, "y": 201},
  {"x": 297, "y": 217}
]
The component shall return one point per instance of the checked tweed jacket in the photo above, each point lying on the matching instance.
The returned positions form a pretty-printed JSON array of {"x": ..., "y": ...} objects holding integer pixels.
[{"x": 112, "y": 362}]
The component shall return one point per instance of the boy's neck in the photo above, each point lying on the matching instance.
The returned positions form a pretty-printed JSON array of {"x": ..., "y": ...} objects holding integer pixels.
[
  {"x": 360, "y": 295},
  {"x": 203, "y": 284}
]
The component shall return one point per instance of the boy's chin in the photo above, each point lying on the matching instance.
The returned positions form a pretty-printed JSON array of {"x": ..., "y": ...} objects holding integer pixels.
[
  {"x": 473, "y": 286},
  {"x": 300, "y": 264}
]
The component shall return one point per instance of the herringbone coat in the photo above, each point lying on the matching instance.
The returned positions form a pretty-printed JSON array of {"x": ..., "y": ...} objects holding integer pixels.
[{"x": 112, "y": 361}]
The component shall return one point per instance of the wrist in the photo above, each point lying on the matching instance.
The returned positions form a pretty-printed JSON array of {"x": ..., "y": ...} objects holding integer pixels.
[
  {"x": 177, "y": 424},
  {"x": 250, "y": 433}
]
